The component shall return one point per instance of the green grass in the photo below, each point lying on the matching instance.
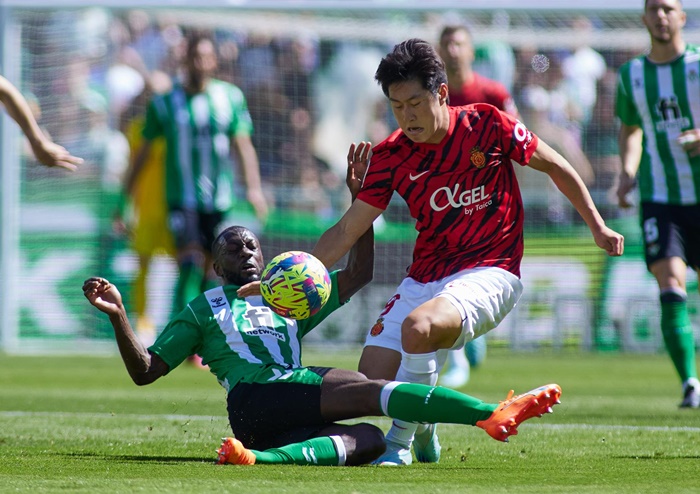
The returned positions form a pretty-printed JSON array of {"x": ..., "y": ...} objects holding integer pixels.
[{"x": 78, "y": 424}]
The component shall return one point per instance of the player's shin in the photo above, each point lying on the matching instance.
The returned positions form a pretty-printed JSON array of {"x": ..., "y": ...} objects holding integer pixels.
[
  {"x": 415, "y": 368},
  {"x": 422, "y": 403},
  {"x": 325, "y": 451},
  {"x": 678, "y": 332}
]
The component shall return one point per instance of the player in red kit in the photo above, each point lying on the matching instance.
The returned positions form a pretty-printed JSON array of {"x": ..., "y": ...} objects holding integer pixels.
[
  {"x": 453, "y": 167},
  {"x": 467, "y": 87}
]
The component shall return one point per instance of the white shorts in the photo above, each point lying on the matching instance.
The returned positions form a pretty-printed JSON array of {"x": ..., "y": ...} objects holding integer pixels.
[{"x": 483, "y": 297}]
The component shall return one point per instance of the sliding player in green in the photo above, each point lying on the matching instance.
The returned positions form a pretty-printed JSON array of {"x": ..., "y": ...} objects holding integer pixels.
[
  {"x": 658, "y": 102},
  {"x": 285, "y": 412}
]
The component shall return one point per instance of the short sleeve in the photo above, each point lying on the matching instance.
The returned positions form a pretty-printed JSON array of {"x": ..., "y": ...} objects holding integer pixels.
[
  {"x": 625, "y": 108},
  {"x": 241, "y": 123},
  {"x": 180, "y": 339},
  {"x": 518, "y": 142}
]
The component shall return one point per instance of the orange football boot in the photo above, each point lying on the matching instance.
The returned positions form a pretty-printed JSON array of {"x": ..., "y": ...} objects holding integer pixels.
[
  {"x": 232, "y": 451},
  {"x": 504, "y": 421}
]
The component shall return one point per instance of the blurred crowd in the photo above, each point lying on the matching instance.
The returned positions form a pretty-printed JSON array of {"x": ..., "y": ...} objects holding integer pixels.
[{"x": 309, "y": 97}]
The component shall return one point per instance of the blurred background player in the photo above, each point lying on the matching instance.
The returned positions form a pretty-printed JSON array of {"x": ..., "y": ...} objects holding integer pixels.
[
  {"x": 201, "y": 119},
  {"x": 149, "y": 233},
  {"x": 658, "y": 102},
  {"x": 466, "y": 86},
  {"x": 45, "y": 150}
]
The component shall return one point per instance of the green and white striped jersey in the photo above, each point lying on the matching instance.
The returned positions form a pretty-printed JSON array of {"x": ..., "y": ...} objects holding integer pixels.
[
  {"x": 241, "y": 340},
  {"x": 663, "y": 99},
  {"x": 198, "y": 129}
]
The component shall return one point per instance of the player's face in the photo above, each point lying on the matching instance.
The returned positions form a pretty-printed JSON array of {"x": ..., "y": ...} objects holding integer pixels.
[
  {"x": 457, "y": 51},
  {"x": 239, "y": 259},
  {"x": 422, "y": 116},
  {"x": 203, "y": 60},
  {"x": 664, "y": 19}
]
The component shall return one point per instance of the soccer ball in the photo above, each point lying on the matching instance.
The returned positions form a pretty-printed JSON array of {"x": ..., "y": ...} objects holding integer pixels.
[{"x": 295, "y": 284}]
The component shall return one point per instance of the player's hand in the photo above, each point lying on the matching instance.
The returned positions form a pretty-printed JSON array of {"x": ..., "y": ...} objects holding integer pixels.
[
  {"x": 610, "y": 241},
  {"x": 249, "y": 290},
  {"x": 625, "y": 185},
  {"x": 103, "y": 295},
  {"x": 256, "y": 198},
  {"x": 690, "y": 140},
  {"x": 51, "y": 154},
  {"x": 358, "y": 161}
]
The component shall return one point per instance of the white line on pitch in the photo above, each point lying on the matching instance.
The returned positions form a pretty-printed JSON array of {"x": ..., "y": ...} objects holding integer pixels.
[
  {"x": 603, "y": 427},
  {"x": 113, "y": 415}
]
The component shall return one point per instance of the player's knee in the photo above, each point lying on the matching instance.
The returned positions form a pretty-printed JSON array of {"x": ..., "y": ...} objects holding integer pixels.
[
  {"x": 672, "y": 295},
  {"x": 415, "y": 334},
  {"x": 367, "y": 444}
]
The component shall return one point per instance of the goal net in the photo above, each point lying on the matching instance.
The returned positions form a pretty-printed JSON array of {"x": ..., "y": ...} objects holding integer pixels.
[{"x": 307, "y": 75}]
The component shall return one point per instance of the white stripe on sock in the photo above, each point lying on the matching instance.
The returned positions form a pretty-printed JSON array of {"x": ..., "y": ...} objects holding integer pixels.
[
  {"x": 384, "y": 396},
  {"x": 340, "y": 449}
]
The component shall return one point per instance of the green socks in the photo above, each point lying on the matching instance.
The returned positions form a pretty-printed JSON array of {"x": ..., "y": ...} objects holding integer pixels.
[
  {"x": 427, "y": 404},
  {"x": 325, "y": 451},
  {"x": 678, "y": 333}
]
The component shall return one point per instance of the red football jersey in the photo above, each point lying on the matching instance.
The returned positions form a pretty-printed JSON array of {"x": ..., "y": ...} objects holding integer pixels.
[
  {"x": 484, "y": 90},
  {"x": 463, "y": 192}
]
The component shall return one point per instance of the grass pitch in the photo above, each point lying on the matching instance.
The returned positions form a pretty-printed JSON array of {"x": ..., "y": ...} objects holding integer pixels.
[{"x": 78, "y": 424}]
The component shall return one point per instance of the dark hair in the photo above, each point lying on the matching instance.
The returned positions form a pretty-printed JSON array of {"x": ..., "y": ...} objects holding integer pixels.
[
  {"x": 414, "y": 59},
  {"x": 454, "y": 28},
  {"x": 193, "y": 41}
]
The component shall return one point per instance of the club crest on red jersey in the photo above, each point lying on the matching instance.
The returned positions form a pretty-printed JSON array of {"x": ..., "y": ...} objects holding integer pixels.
[
  {"x": 477, "y": 157},
  {"x": 377, "y": 328}
]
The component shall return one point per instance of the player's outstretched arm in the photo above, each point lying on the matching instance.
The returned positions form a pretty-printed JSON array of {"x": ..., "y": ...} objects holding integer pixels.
[
  {"x": 46, "y": 151},
  {"x": 360, "y": 267},
  {"x": 547, "y": 160},
  {"x": 142, "y": 366},
  {"x": 338, "y": 239},
  {"x": 250, "y": 166}
]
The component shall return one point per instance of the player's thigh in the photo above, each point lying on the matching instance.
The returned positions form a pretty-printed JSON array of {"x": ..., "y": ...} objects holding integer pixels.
[
  {"x": 184, "y": 226},
  {"x": 269, "y": 415},
  {"x": 435, "y": 324},
  {"x": 663, "y": 232},
  {"x": 483, "y": 297},
  {"x": 386, "y": 331},
  {"x": 377, "y": 362},
  {"x": 347, "y": 394},
  {"x": 670, "y": 272},
  {"x": 671, "y": 242},
  {"x": 691, "y": 235}
]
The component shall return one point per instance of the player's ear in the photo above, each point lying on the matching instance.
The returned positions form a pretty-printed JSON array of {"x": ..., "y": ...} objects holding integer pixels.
[
  {"x": 443, "y": 94},
  {"x": 217, "y": 269}
]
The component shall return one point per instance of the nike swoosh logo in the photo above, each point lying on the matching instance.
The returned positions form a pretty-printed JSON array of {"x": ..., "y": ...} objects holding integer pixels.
[{"x": 416, "y": 177}]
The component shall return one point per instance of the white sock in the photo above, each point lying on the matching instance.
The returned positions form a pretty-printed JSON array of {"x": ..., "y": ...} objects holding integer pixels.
[
  {"x": 693, "y": 381},
  {"x": 415, "y": 368},
  {"x": 457, "y": 359}
]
